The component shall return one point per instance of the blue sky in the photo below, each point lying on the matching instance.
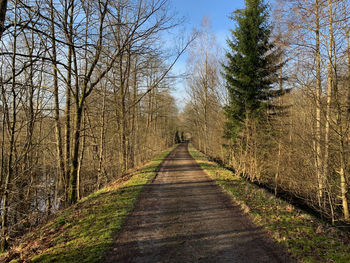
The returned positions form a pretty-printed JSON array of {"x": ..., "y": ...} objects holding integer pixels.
[
  {"x": 217, "y": 10},
  {"x": 193, "y": 11}
]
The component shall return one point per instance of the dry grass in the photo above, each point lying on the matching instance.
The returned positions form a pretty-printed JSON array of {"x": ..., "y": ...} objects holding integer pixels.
[
  {"x": 306, "y": 238},
  {"x": 85, "y": 231}
]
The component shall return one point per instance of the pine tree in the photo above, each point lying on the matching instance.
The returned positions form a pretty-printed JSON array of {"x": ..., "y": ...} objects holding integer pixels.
[{"x": 252, "y": 67}]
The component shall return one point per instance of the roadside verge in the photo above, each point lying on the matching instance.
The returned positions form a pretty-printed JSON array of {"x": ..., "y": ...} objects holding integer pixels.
[
  {"x": 306, "y": 238},
  {"x": 85, "y": 231}
]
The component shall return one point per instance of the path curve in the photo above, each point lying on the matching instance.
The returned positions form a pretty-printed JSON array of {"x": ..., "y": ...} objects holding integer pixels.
[{"x": 183, "y": 216}]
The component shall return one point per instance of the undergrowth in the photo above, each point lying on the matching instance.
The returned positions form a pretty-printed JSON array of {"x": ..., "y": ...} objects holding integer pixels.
[
  {"x": 85, "y": 231},
  {"x": 306, "y": 238}
]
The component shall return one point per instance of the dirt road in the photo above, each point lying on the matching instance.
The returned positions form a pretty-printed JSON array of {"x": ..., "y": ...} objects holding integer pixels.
[{"x": 183, "y": 216}]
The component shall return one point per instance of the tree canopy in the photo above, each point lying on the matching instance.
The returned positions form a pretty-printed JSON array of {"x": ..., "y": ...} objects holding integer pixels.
[{"x": 252, "y": 66}]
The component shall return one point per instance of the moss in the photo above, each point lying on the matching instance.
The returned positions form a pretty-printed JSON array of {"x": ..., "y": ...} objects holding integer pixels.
[{"x": 298, "y": 231}]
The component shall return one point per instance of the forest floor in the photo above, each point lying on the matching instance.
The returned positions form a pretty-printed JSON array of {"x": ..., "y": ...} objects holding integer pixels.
[{"x": 184, "y": 216}]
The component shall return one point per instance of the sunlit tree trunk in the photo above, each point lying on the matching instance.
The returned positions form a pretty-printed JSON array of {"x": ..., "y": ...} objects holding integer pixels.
[
  {"x": 81, "y": 157},
  {"x": 318, "y": 161},
  {"x": 59, "y": 146},
  {"x": 329, "y": 92},
  {"x": 100, "y": 171},
  {"x": 344, "y": 126},
  {"x": 277, "y": 174},
  {"x": 84, "y": 88},
  {"x": 69, "y": 13},
  {"x": 11, "y": 123},
  {"x": 134, "y": 117}
]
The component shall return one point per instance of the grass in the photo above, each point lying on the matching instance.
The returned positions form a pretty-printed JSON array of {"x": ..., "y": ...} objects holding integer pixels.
[
  {"x": 85, "y": 231},
  {"x": 306, "y": 238}
]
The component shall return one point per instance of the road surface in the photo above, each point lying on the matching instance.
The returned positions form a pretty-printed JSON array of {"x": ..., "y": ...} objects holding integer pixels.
[{"x": 183, "y": 216}]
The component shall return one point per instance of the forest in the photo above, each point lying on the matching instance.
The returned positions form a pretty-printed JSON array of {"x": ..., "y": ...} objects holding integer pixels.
[
  {"x": 86, "y": 98},
  {"x": 296, "y": 141}
]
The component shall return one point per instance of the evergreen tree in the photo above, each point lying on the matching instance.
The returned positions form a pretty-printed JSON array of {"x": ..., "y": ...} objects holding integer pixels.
[{"x": 251, "y": 70}]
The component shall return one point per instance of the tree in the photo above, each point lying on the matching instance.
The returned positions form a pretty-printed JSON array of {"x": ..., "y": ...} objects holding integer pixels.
[
  {"x": 59, "y": 59},
  {"x": 318, "y": 103},
  {"x": 203, "y": 89},
  {"x": 252, "y": 68}
]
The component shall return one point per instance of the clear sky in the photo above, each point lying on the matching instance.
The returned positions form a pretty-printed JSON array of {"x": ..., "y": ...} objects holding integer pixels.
[
  {"x": 217, "y": 10},
  {"x": 193, "y": 11}
]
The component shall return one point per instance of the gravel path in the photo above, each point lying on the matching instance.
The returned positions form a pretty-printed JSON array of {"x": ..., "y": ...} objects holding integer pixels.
[{"x": 183, "y": 216}]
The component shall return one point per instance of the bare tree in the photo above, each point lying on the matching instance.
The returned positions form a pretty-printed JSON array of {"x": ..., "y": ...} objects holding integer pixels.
[{"x": 204, "y": 89}]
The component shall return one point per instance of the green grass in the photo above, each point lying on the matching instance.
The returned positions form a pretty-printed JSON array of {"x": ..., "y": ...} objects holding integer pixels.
[
  {"x": 85, "y": 231},
  {"x": 306, "y": 238}
]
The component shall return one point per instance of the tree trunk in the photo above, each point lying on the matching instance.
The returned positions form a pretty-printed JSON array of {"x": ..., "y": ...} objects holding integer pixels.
[
  {"x": 133, "y": 119},
  {"x": 343, "y": 182},
  {"x": 59, "y": 146},
  {"x": 329, "y": 93},
  {"x": 102, "y": 140},
  {"x": 343, "y": 134},
  {"x": 12, "y": 130},
  {"x": 123, "y": 120},
  {"x": 277, "y": 174},
  {"x": 81, "y": 158},
  {"x": 69, "y": 39},
  {"x": 73, "y": 179},
  {"x": 318, "y": 161}
]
